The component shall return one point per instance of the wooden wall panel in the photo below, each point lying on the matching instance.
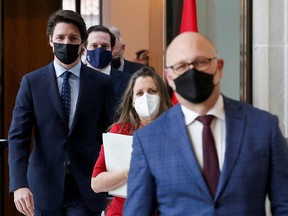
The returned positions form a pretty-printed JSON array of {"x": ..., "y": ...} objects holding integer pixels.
[
  {"x": 157, "y": 34},
  {"x": 25, "y": 49}
]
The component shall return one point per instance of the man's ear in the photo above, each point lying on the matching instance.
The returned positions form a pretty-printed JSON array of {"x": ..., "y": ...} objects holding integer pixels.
[
  {"x": 84, "y": 51},
  {"x": 50, "y": 41},
  {"x": 123, "y": 47},
  {"x": 82, "y": 47},
  {"x": 169, "y": 79},
  {"x": 220, "y": 65}
]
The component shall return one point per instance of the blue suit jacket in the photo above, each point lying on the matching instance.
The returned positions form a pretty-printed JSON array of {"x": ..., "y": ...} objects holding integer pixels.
[
  {"x": 131, "y": 67},
  {"x": 120, "y": 81},
  {"x": 165, "y": 174},
  {"x": 38, "y": 107}
]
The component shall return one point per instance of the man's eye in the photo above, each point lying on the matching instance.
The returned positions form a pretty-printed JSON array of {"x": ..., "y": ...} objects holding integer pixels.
[
  {"x": 180, "y": 67},
  {"x": 104, "y": 47},
  {"x": 201, "y": 62}
]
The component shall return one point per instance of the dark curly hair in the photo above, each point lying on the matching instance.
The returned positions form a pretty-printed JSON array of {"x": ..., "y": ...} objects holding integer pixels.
[
  {"x": 101, "y": 28},
  {"x": 67, "y": 16}
]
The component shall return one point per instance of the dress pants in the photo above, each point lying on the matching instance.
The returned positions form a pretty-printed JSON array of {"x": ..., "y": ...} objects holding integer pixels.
[{"x": 73, "y": 204}]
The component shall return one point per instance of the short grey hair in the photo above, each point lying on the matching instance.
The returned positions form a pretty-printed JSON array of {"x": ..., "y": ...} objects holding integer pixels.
[{"x": 114, "y": 30}]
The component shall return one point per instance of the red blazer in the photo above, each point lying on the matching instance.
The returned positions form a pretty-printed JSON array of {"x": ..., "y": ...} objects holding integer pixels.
[{"x": 100, "y": 166}]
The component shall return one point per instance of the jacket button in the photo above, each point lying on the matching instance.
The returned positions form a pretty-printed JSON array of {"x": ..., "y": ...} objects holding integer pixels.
[{"x": 216, "y": 205}]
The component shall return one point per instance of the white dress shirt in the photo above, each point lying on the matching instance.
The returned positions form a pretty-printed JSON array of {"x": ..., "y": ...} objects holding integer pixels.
[
  {"x": 106, "y": 70},
  {"x": 74, "y": 81},
  {"x": 195, "y": 127}
]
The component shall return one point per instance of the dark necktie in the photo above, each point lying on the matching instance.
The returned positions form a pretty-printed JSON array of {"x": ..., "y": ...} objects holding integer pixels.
[
  {"x": 66, "y": 94},
  {"x": 211, "y": 170}
]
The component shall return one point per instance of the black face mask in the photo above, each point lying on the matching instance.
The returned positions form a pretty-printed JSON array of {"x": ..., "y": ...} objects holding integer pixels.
[
  {"x": 195, "y": 86},
  {"x": 116, "y": 62},
  {"x": 66, "y": 53}
]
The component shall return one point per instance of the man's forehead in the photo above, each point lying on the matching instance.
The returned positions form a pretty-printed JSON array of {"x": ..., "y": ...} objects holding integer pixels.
[
  {"x": 99, "y": 36},
  {"x": 189, "y": 47},
  {"x": 63, "y": 27}
]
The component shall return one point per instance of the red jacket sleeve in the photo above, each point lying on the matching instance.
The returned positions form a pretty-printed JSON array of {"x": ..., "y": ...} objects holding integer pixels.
[{"x": 100, "y": 165}]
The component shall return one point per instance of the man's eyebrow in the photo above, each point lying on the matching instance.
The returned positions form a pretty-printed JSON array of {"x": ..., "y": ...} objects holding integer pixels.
[{"x": 74, "y": 35}]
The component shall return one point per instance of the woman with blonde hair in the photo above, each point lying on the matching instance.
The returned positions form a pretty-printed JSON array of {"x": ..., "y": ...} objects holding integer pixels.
[{"x": 145, "y": 98}]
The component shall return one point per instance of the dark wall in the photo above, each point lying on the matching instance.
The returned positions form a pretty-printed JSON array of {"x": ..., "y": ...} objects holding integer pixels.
[
  {"x": 173, "y": 22},
  {"x": 24, "y": 48},
  {"x": 173, "y": 19}
]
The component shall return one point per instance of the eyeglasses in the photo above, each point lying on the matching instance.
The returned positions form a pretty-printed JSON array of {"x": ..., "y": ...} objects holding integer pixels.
[{"x": 200, "y": 64}]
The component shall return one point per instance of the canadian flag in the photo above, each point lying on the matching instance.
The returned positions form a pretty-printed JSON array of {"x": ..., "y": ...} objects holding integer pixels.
[{"x": 188, "y": 23}]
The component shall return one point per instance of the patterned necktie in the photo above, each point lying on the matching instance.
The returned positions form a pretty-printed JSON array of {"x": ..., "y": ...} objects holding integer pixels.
[
  {"x": 211, "y": 170},
  {"x": 66, "y": 94}
]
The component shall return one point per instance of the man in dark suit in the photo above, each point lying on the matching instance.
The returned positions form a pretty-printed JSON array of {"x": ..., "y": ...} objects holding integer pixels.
[
  {"x": 226, "y": 166},
  {"x": 55, "y": 178},
  {"x": 118, "y": 60},
  {"x": 99, "y": 47}
]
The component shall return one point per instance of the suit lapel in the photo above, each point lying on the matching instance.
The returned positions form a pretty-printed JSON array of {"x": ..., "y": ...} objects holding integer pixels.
[
  {"x": 116, "y": 78},
  {"x": 180, "y": 138},
  {"x": 235, "y": 124},
  {"x": 50, "y": 81}
]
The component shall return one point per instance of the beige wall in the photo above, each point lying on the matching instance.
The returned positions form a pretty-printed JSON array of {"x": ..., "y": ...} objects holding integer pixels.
[{"x": 132, "y": 18}]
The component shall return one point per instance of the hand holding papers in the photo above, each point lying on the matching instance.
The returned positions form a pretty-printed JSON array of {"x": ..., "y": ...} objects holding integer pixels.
[{"x": 117, "y": 151}]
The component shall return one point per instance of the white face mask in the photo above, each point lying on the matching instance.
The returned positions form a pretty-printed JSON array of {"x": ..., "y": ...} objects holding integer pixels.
[{"x": 147, "y": 106}]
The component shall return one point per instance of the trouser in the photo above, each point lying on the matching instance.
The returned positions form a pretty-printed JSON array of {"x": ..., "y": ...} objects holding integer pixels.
[{"x": 73, "y": 204}]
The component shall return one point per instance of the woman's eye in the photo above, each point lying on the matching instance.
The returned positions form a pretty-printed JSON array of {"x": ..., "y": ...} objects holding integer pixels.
[
  {"x": 152, "y": 91},
  {"x": 139, "y": 93}
]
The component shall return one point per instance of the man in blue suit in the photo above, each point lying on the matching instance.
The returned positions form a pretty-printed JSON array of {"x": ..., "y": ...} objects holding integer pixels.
[
  {"x": 168, "y": 164},
  {"x": 54, "y": 179},
  {"x": 99, "y": 47}
]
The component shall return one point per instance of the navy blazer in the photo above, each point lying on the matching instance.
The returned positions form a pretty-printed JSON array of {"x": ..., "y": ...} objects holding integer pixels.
[
  {"x": 164, "y": 172},
  {"x": 120, "y": 81},
  {"x": 131, "y": 67},
  {"x": 38, "y": 109}
]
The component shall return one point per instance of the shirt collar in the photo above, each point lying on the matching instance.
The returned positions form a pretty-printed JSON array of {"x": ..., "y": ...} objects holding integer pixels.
[
  {"x": 217, "y": 110},
  {"x": 105, "y": 70},
  {"x": 60, "y": 70}
]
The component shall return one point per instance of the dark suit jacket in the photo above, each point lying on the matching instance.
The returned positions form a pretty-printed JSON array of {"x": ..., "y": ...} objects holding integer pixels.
[
  {"x": 38, "y": 107},
  {"x": 120, "y": 81},
  {"x": 131, "y": 67},
  {"x": 164, "y": 172}
]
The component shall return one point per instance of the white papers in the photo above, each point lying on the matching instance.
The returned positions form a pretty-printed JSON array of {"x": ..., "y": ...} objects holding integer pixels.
[{"x": 117, "y": 151}]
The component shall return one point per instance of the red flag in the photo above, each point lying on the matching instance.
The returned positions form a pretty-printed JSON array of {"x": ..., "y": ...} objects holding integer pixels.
[
  {"x": 188, "y": 23},
  {"x": 189, "y": 16}
]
